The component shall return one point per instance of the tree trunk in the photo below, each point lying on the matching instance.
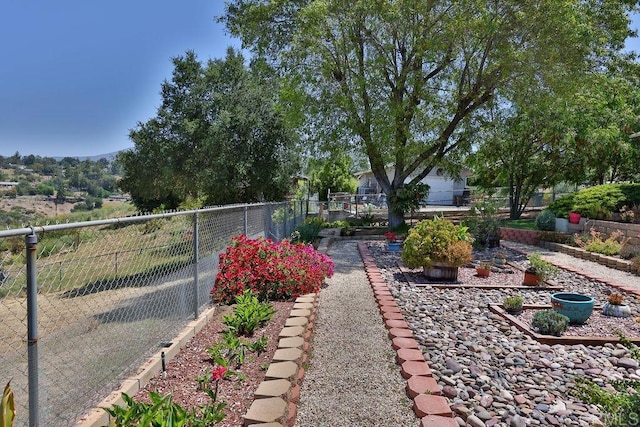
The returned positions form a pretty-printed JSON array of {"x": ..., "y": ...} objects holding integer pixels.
[{"x": 395, "y": 219}]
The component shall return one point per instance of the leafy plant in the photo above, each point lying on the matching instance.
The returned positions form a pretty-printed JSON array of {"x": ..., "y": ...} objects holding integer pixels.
[
  {"x": 555, "y": 236},
  {"x": 408, "y": 198},
  {"x": 546, "y": 220},
  {"x": 163, "y": 412},
  {"x": 308, "y": 231},
  {"x": 232, "y": 350},
  {"x": 7, "y": 407},
  {"x": 513, "y": 302},
  {"x": 484, "y": 224},
  {"x": 550, "y": 322},
  {"x": 562, "y": 206},
  {"x": 437, "y": 240},
  {"x": 274, "y": 271},
  {"x": 248, "y": 314},
  {"x": 543, "y": 269}
]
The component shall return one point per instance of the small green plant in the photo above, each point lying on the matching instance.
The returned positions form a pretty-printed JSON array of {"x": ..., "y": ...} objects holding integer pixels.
[
  {"x": 7, "y": 407},
  {"x": 232, "y": 351},
  {"x": 546, "y": 220},
  {"x": 550, "y": 322},
  {"x": 162, "y": 411},
  {"x": 513, "y": 302},
  {"x": 308, "y": 231},
  {"x": 543, "y": 269},
  {"x": 248, "y": 314}
]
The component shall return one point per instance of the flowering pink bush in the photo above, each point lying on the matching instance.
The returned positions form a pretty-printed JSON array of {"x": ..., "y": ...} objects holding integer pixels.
[{"x": 274, "y": 271}]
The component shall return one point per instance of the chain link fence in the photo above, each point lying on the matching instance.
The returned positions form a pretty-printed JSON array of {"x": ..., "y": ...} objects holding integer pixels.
[{"x": 83, "y": 305}]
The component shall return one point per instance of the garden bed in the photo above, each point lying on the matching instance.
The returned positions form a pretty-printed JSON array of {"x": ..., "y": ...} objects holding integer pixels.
[
  {"x": 597, "y": 330},
  {"x": 193, "y": 361}
]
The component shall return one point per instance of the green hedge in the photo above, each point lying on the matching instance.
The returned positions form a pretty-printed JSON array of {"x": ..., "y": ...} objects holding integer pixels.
[{"x": 597, "y": 202}]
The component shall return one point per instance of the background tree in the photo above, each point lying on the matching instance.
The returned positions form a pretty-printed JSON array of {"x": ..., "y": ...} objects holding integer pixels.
[
  {"x": 217, "y": 136},
  {"x": 527, "y": 147},
  {"x": 407, "y": 81},
  {"x": 332, "y": 174}
]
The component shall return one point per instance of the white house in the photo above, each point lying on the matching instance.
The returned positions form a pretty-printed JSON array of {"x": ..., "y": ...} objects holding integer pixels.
[{"x": 443, "y": 189}]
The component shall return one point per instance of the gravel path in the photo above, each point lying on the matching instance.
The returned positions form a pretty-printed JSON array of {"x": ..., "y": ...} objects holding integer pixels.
[{"x": 352, "y": 379}]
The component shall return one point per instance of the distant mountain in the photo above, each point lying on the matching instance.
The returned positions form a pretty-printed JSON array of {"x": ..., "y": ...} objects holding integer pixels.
[{"x": 108, "y": 156}]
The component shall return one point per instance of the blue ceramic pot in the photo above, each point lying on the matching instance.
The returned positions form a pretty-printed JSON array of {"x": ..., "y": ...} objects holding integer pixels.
[
  {"x": 577, "y": 307},
  {"x": 394, "y": 246}
]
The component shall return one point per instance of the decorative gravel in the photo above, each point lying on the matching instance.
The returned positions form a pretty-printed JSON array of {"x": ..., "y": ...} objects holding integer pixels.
[
  {"x": 493, "y": 373},
  {"x": 352, "y": 379}
]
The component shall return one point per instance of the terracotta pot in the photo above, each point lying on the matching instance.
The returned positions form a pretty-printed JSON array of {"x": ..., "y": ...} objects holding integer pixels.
[
  {"x": 482, "y": 272},
  {"x": 530, "y": 279}
]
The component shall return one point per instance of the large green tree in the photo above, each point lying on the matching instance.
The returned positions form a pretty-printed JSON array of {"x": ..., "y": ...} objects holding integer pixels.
[
  {"x": 407, "y": 81},
  {"x": 218, "y": 136}
]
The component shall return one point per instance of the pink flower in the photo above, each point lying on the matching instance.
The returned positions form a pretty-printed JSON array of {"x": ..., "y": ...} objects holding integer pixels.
[
  {"x": 391, "y": 236},
  {"x": 218, "y": 373}
]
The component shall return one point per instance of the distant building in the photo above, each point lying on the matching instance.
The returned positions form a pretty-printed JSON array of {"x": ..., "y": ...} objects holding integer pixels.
[
  {"x": 8, "y": 184},
  {"x": 443, "y": 189}
]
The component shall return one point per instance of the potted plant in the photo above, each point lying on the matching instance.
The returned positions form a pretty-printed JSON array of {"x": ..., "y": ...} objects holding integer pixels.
[
  {"x": 614, "y": 306},
  {"x": 393, "y": 242},
  {"x": 439, "y": 247},
  {"x": 539, "y": 270},
  {"x": 500, "y": 258},
  {"x": 513, "y": 304},
  {"x": 483, "y": 269}
]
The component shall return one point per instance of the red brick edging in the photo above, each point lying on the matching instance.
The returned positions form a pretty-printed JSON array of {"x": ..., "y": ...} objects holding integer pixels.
[{"x": 428, "y": 405}]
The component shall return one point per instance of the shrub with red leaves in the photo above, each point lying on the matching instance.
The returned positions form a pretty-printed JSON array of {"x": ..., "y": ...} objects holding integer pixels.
[{"x": 272, "y": 270}]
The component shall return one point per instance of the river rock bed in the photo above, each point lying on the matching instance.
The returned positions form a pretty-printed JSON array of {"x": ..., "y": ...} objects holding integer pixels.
[{"x": 493, "y": 373}]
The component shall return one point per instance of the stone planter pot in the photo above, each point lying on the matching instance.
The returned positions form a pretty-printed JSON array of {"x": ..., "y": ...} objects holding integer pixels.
[
  {"x": 562, "y": 225},
  {"x": 621, "y": 310},
  {"x": 441, "y": 272},
  {"x": 577, "y": 307}
]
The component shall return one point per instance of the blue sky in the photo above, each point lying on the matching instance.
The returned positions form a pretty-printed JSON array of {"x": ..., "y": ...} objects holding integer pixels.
[{"x": 76, "y": 75}]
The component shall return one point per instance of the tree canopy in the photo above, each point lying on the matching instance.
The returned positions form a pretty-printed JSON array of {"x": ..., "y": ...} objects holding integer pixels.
[
  {"x": 217, "y": 136},
  {"x": 407, "y": 82}
]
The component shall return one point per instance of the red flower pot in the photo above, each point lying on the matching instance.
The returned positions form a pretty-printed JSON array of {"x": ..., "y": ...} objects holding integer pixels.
[{"x": 574, "y": 218}]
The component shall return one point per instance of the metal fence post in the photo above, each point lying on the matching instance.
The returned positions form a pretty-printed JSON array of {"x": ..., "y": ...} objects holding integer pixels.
[
  {"x": 196, "y": 256},
  {"x": 245, "y": 221},
  {"x": 31, "y": 242}
]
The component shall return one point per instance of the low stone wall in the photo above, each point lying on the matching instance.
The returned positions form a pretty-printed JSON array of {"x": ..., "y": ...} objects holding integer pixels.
[
  {"x": 528, "y": 237},
  {"x": 631, "y": 231}
]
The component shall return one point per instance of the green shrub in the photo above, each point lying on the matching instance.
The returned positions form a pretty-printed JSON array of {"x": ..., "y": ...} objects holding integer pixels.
[
  {"x": 437, "y": 240},
  {"x": 307, "y": 232},
  {"x": 593, "y": 242},
  {"x": 562, "y": 205},
  {"x": 546, "y": 220},
  {"x": 599, "y": 202},
  {"x": 550, "y": 322}
]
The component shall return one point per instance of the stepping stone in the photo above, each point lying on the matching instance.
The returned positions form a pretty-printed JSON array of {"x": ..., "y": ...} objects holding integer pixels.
[
  {"x": 287, "y": 354},
  {"x": 302, "y": 306},
  {"x": 415, "y": 367},
  {"x": 402, "y": 342},
  {"x": 408, "y": 354},
  {"x": 296, "y": 321},
  {"x": 300, "y": 313},
  {"x": 400, "y": 332}
]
